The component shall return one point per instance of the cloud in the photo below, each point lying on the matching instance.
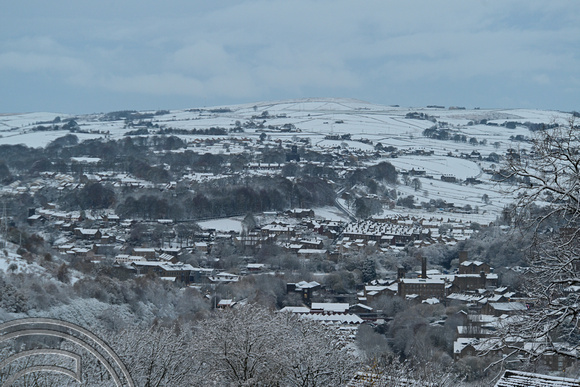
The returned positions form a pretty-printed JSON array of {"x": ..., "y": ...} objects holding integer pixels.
[
  {"x": 37, "y": 62},
  {"x": 202, "y": 58},
  {"x": 541, "y": 79},
  {"x": 167, "y": 84},
  {"x": 156, "y": 84},
  {"x": 265, "y": 49}
]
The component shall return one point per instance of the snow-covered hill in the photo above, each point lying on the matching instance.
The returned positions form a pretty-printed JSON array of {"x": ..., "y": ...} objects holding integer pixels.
[{"x": 314, "y": 119}]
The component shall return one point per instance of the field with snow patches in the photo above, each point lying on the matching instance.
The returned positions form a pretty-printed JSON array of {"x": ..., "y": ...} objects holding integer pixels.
[
  {"x": 224, "y": 225},
  {"x": 316, "y": 118}
]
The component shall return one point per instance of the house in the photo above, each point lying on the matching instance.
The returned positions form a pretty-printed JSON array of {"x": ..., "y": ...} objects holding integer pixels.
[
  {"x": 296, "y": 309},
  {"x": 88, "y": 233},
  {"x": 202, "y": 247},
  {"x": 424, "y": 288},
  {"x": 500, "y": 308},
  {"x": 372, "y": 292},
  {"x": 148, "y": 253},
  {"x": 177, "y": 271},
  {"x": 200, "y": 274},
  {"x": 255, "y": 267},
  {"x": 365, "y": 312},
  {"x": 328, "y": 307},
  {"x": 36, "y": 219},
  {"x": 305, "y": 288},
  {"x": 468, "y": 282},
  {"x": 226, "y": 303},
  {"x": 312, "y": 253},
  {"x": 474, "y": 267},
  {"x": 224, "y": 277},
  {"x": 164, "y": 257},
  {"x": 104, "y": 249},
  {"x": 125, "y": 258},
  {"x": 278, "y": 230},
  {"x": 171, "y": 250},
  {"x": 464, "y": 346},
  {"x": 301, "y": 213}
]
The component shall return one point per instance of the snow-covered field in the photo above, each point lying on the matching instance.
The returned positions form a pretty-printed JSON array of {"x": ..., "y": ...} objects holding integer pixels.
[
  {"x": 223, "y": 225},
  {"x": 319, "y": 117}
]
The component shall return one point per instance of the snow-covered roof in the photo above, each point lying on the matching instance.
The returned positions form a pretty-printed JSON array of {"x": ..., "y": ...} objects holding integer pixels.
[
  {"x": 86, "y": 160},
  {"x": 508, "y": 306},
  {"x": 474, "y": 263},
  {"x": 335, "y": 318},
  {"x": 256, "y": 266},
  {"x": 295, "y": 309},
  {"x": 306, "y": 285},
  {"x": 422, "y": 281},
  {"x": 463, "y": 342},
  {"x": 363, "y": 306},
  {"x": 311, "y": 251},
  {"x": 87, "y": 231},
  {"x": 330, "y": 307},
  {"x": 527, "y": 379}
]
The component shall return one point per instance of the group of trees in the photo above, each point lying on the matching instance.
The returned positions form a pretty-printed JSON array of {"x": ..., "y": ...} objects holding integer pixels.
[
  {"x": 251, "y": 346},
  {"x": 244, "y": 346},
  {"x": 228, "y": 198},
  {"x": 383, "y": 172}
]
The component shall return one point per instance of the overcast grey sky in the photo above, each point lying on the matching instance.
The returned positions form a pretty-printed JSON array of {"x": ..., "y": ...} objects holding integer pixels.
[{"x": 74, "y": 56}]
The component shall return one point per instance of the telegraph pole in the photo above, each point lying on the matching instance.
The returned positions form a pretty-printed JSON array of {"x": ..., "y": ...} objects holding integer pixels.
[{"x": 4, "y": 231}]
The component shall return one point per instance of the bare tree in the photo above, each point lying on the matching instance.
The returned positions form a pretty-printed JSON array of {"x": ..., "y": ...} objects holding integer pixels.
[
  {"x": 253, "y": 346},
  {"x": 158, "y": 356},
  {"x": 416, "y": 183},
  {"x": 547, "y": 182}
]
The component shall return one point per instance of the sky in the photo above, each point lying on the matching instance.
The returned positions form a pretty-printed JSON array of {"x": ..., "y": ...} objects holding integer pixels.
[{"x": 70, "y": 56}]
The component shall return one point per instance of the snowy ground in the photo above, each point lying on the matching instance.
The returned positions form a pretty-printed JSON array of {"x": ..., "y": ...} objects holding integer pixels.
[
  {"x": 10, "y": 262},
  {"x": 224, "y": 225}
]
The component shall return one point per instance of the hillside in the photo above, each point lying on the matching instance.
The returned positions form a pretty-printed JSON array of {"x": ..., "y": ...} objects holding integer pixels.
[{"x": 326, "y": 124}]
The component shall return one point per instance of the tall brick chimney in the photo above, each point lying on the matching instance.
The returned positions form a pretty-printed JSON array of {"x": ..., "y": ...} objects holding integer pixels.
[
  {"x": 462, "y": 256},
  {"x": 400, "y": 272}
]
